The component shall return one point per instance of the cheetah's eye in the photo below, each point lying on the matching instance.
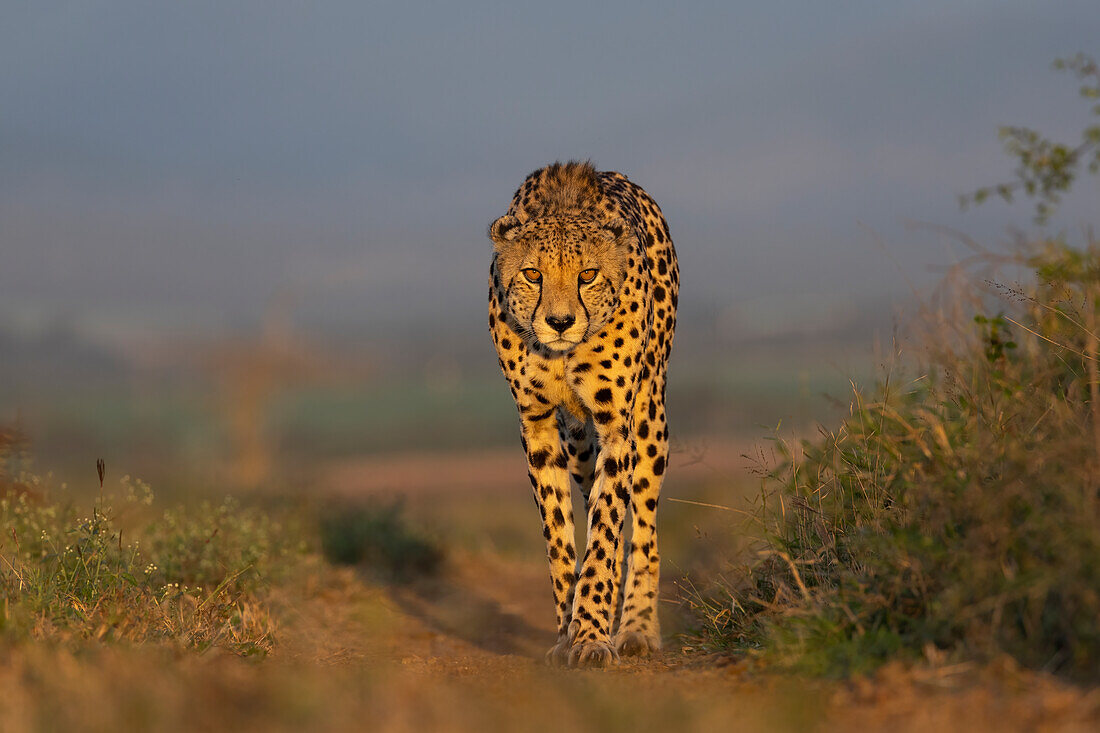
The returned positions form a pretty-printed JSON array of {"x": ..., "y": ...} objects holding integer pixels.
[
  {"x": 587, "y": 276},
  {"x": 532, "y": 275}
]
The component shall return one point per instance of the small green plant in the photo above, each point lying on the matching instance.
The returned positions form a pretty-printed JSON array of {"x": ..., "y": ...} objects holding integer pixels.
[
  {"x": 190, "y": 577},
  {"x": 996, "y": 337},
  {"x": 379, "y": 537}
]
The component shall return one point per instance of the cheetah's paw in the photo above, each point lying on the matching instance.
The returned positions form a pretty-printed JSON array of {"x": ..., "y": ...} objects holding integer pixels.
[
  {"x": 636, "y": 644},
  {"x": 592, "y": 654},
  {"x": 558, "y": 656}
]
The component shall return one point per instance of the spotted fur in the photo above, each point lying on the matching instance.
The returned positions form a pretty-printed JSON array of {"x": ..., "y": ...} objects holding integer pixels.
[{"x": 582, "y": 308}]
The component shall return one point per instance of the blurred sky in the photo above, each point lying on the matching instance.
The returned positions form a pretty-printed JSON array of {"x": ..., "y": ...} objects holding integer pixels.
[{"x": 171, "y": 166}]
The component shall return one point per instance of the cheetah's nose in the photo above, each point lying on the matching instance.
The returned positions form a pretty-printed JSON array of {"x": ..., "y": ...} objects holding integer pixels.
[{"x": 560, "y": 323}]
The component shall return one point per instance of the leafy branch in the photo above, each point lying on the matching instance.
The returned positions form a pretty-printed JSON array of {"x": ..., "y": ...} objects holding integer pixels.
[{"x": 1046, "y": 169}]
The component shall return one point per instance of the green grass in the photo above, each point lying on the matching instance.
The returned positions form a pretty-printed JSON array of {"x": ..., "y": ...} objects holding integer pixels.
[
  {"x": 120, "y": 571},
  {"x": 953, "y": 514}
]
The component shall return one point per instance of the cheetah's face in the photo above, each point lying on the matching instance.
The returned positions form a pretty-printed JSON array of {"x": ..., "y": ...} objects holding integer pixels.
[{"x": 561, "y": 275}]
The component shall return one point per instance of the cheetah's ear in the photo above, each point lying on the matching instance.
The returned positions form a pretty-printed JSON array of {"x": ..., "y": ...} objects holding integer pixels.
[
  {"x": 615, "y": 248},
  {"x": 503, "y": 231},
  {"x": 615, "y": 231}
]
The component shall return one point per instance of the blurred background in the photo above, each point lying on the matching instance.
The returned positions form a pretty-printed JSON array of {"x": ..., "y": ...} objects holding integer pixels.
[{"x": 243, "y": 245}]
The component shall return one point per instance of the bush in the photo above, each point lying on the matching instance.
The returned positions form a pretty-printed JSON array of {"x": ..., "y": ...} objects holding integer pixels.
[
  {"x": 380, "y": 537},
  {"x": 955, "y": 515},
  {"x": 959, "y": 514}
]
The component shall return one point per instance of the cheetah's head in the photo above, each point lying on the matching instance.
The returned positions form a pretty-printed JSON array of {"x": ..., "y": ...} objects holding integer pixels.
[{"x": 561, "y": 274}]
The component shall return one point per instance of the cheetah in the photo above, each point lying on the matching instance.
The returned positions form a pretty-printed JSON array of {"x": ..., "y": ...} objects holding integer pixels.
[{"x": 583, "y": 290}]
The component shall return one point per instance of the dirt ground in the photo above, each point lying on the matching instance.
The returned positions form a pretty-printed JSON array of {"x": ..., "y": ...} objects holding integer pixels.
[
  {"x": 463, "y": 650},
  {"x": 483, "y": 641}
]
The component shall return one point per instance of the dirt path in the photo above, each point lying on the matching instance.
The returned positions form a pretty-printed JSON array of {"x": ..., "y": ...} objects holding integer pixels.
[
  {"x": 463, "y": 653},
  {"x": 464, "y": 650}
]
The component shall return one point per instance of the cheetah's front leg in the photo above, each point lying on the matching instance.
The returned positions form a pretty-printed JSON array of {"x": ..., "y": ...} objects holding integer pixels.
[
  {"x": 595, "y": 597},
  {"x": 547, "y": 463},
  {"x": 639, "y": 630}
]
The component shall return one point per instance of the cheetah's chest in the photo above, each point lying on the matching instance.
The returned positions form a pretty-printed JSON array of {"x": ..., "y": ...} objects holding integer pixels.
[{"x": 549, "y": 382}]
